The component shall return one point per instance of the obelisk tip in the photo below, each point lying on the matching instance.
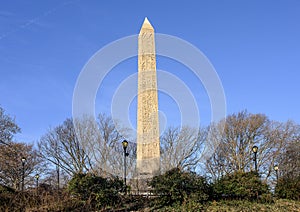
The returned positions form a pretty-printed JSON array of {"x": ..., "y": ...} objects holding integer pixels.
[{"x": 147, "y": 24}]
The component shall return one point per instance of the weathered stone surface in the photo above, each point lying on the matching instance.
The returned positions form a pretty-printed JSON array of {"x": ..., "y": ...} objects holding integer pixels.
[{"x": 148, "y": 146}]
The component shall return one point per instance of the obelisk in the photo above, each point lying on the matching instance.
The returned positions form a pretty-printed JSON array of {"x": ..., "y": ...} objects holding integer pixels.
[{"x": 148, "y": 145}]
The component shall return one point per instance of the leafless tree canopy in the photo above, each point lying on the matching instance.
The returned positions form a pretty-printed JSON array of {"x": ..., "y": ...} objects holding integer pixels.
[
  {"x": 288, "y": 160},
  {"x": 181, "y": 148},
  {"x": 8, "y": 127},
  {"x": 105, "y": 148},
  {"x": 241, "y": 132},
  {"x": 61, "y": 147},
  {"x": 11, "y": 164},
  {"x": 86, "y": 145}
]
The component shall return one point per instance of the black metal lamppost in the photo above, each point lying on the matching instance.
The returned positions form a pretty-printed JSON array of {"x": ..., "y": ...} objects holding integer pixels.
[
  {"x": 276, "y": 168},
  {"x": 255, "y": 149},
  {"x": 125, "y": 144},
  {"x": 37, "y": 176},
  {"x": 23, "y": 171}
]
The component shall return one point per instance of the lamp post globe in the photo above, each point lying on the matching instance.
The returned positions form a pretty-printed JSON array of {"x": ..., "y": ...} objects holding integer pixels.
[
  {"x": 23, "y": 160},
  {"x": 125, "y": 144},
  {"x": 255, "y": 149},
  {"x": 276, "y": 168}
]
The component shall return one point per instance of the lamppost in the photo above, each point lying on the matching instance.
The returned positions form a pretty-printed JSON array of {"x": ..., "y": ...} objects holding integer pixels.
[
  {"x": 37, "y": 176},
  {"x": 276, "y": 168},
  {"x": 125, "y": 144},
  {"x": 254, "y": 149},
  {"x": 23, "y": 171}
]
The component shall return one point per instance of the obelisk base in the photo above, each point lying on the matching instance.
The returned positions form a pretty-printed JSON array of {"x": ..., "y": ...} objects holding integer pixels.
[{"x": 148, "y": 168}]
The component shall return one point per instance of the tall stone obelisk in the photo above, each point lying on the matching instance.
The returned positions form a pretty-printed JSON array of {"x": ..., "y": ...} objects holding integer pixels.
[{"x": 148, "y": 146}]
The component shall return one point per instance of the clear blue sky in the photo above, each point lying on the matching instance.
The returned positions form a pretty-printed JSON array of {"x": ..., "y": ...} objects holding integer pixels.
[{"x": 253, "y": 45}]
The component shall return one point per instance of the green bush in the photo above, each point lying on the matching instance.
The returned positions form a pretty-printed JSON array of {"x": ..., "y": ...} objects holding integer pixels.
[
  {"x": 244, "y": 205},
  {"x": 240, "y": 186},
  {"x": 97, "y": 191},
  {"x": 177, "y": 187},
  {"x": 288, "y": 188}
]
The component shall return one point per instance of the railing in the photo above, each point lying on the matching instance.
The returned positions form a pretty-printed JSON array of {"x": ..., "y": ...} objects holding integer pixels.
[{"x": 145, "y": 193}]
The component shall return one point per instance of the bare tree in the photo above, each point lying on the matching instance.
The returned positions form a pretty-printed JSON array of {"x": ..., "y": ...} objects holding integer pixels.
[
  {"x": 86, "y": 145},
  {"x": 278, "y": 138},
  {"x": 8, "y": 127},
  {"x": 11, "y": 168},
  {"x": 288, "y": 159},
  {"x": 181, "y": 148},
  {"x": 104, "y": 145},
  {"x": 61, "y": 147},
  {"x": 235, "y": 141}
]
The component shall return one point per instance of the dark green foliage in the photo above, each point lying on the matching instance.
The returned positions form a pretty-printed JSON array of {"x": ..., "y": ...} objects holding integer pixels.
[
  {"x": 6, "y": 194},
  {"x": 177, "y": 187},
  {"x": 97, "y": 191},
  {"x": 6, "y": 189},
  {"x": 240, "y": 185},
  {"x": 288, "y": 188}
]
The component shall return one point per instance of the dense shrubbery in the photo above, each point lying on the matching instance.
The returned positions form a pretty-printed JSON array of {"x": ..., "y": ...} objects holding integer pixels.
[
  {"x": 179, "y": 190},
  {"x": 177, "y": 187},
  {"x": 240, "y": 185},
  {"x": 6, "y": 190},
  {"x": 99, "y": 192},
  {"x": 288, "y": 188},
  {"x": 5, "y": 196}
]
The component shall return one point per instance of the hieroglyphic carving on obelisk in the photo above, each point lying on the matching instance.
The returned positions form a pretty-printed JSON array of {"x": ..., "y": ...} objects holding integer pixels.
[{"x": 148, "y": 146}]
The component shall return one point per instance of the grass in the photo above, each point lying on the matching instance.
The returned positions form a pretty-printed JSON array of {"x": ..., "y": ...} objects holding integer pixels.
[{"x": 280, "y": 205}]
